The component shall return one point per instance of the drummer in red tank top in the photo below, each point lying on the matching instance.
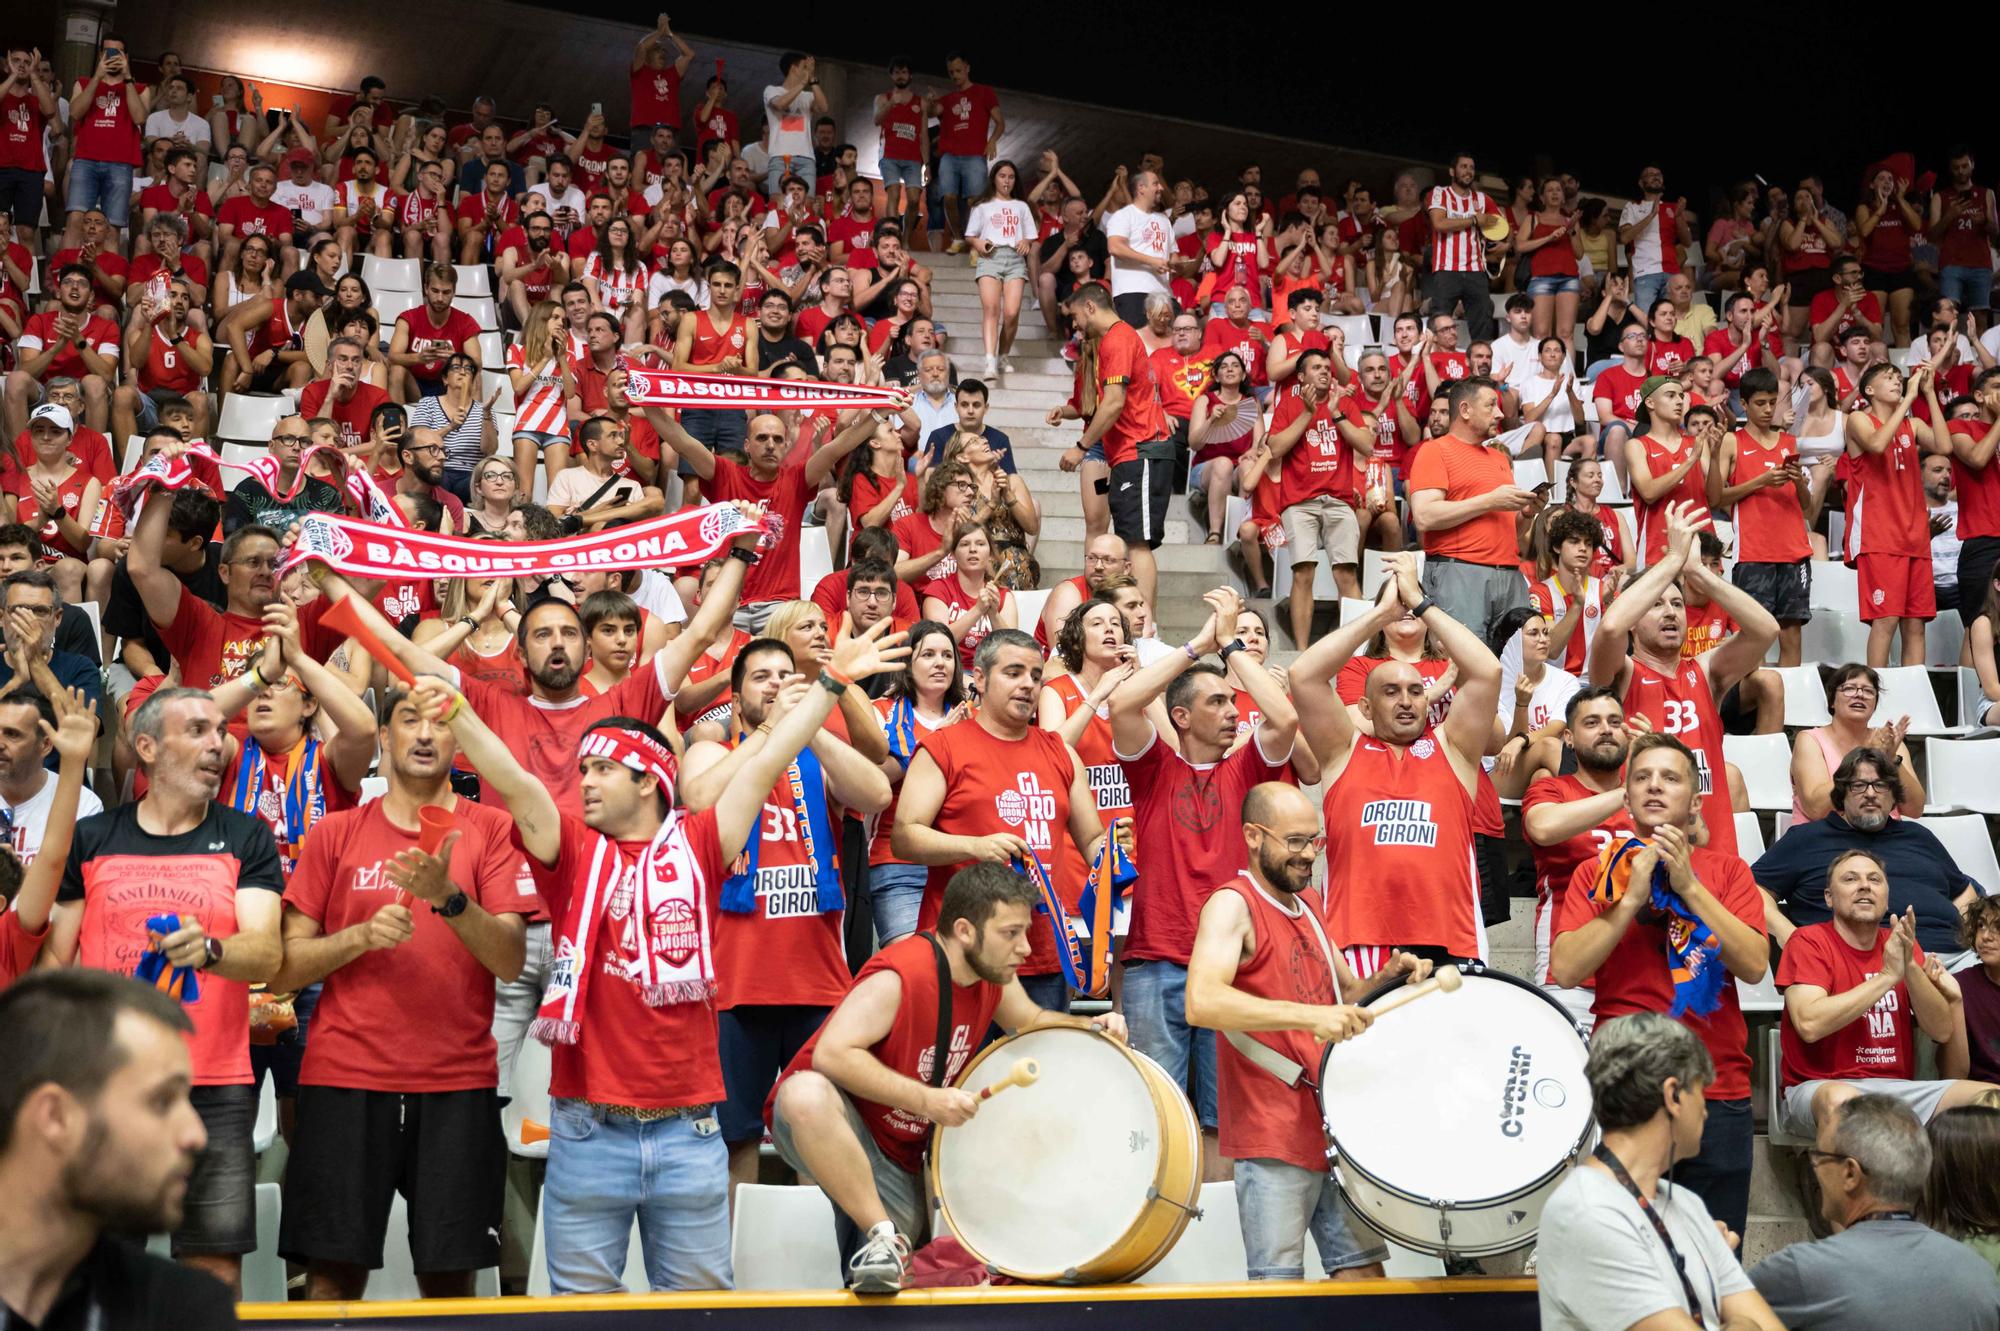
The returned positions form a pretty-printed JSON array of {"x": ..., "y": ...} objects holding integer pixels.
[
  {"x": 1399, "y": 802},
  {"x": 855, "y": 1107},
  {"x": 1678, "y": 697},
  {"x": 1264, "y": 973}
]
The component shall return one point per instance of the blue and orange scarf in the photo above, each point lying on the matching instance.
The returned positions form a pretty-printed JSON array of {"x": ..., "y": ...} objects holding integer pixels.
[
  {"x": 1694, "y": 956},
  {"x": 807, "y": 783},
  {"x": 305, "y": 797},
  {"x": 1111, "y": 875}
]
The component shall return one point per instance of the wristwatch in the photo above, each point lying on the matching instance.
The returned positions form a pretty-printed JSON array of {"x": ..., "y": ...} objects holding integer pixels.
[
  {"x": 1418, "y": 609},
  {"x": 468, "y": 621},
  {"x": 832, "y": 685},
  {"x": 454, "y": 906},
  {"x": 1229, "y": 649},
  {"x": 211, "y": 953},
  {"x": 749, "y": 557}
]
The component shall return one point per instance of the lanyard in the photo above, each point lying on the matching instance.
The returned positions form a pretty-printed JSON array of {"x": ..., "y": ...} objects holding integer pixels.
[{"x": 1611, "y": 1162}]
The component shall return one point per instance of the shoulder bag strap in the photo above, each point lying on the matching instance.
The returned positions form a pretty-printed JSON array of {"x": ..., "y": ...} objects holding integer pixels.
[{"x": 944, "y": 1014}]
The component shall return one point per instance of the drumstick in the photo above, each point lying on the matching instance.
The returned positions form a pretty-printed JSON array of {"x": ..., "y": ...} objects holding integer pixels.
[
  {"x": 1444, "y": 982},
  {"x": 1026, "y": 1072}
]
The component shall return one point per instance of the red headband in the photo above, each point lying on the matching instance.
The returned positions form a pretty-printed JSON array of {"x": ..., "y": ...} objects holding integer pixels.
[{"x": 629, "y": 748}]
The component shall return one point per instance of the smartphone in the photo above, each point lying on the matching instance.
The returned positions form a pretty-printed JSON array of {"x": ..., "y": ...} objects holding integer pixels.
[
  {"x": 1544, "y": 488},
  {"x": 217, "y": 101},
  {"x": 597, "y": 108},
  {"x": 1104, "y": 485}
]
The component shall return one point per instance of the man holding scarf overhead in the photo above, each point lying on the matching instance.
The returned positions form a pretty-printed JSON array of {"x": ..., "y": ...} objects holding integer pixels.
[
  {"x": 635, "y": 884},
  {"x": 778, "y": 942},
  {"x": 1662, "y": 924}
]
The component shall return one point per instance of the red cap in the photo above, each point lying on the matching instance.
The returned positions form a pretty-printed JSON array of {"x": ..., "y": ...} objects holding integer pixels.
[{"x": 299, "y": 155}]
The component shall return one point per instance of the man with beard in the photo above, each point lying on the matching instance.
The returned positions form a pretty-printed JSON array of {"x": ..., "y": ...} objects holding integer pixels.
[
  {"x": 630, "y": 1006},
  {"x": 779, "y": 961},
  {"x": 855, "y": 1107},
  {"x": 998, "y": 788},
  {"x": 1399, "y": 814},
  {"x": 1569, "y": 817},
  {"x": 420, "y": 1111},
  {"x": 181, "y": 876},
  {"x": 594, "y": 491},
  {"x": 97, "y": 1138},
  {"x": 421, "y": 453},
  {"x": 27, "y": 786},
  {"x": 1923, "y": 876},
  {"x": 1264, "y": 974},
  {"x": 1678, "y": 697},
  {"x": 543, "y": 728},
  {"x": 1622, "y": 941},
  {"x": 426, "y": 336}
]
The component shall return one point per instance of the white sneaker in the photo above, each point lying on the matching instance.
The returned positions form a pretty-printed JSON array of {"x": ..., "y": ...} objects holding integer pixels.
[
  {"x": 881, "y": 1264},
  {"x": 992, "y": 366},
  {"x": 1007, "y": 364}
]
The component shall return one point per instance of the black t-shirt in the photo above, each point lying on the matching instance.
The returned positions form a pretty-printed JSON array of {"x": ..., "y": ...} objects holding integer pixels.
[
  {"x": 125, "y": 613},
  {"x": 1604, "y": 345},
  {"x": 250, "y": 502},
  {"x": 75, "y": 636},
  {"x": 235, "y": 850},
  {"x": 120, "y": 1285},
  {"x": 1091, "y": 241},
  {"x": 797, "y": 350}
]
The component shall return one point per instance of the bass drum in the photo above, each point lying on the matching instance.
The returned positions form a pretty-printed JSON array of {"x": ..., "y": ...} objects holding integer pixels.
[
  {"x": 1453, "y": 1118},
  {"x": 1087, "y": 1176}
]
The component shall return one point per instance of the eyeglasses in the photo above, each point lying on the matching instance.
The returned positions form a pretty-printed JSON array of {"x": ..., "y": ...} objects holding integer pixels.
[
  {"x": 257, "y": 562},
  {"x": 1298, "y": 844},
  {"x": 869, "y": 593},
  {"x": 1818, "y": 1158},
  {"x": 503, "y": 474},
  {"x": 1855, "y": 691},
  {"x": 291, "y": 439},
  {"x": 426, "y": 448},
  {"x": 1879, "y": 786}
]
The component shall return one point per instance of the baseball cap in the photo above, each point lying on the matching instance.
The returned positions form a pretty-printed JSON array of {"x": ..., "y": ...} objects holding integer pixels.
[
  {"x": 304, "y": 280},
  {"x": 55, "y": 413},
  {"x": 299, "y": 155}
]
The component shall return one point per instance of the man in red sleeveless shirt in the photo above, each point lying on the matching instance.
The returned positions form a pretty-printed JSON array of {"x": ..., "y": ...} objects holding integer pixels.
[
  {"x": 1399, "y": 800},
  {"x": 1963, "y": 224},
  {"x": 996, "y": 787},
  {"x": 1679, "y": 697},
  {"x": 1265, "y": 975},
  {"x": 1623, "y": 945},
  {"x": 855, "y": 1108},
  {"x": 778, "y": 947}
]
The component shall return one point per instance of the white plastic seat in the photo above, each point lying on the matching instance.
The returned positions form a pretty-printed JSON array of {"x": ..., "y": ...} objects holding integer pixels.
[
  {"x": 390, "y": 306},
  {"x": 482, "y": 309},
  {"x": 473, "y": 280},
  {"x": 264, "y": 1270},
  {"x": 1766, "y": 764},
  {"x": 528, "y": 1101},
  {"x": 1210, "y": 1250},
  {"x": 1372, "y": 571},
  {"x": 1906, "y": 691},
  {"x": 373, "y": 788},
  {"x": 815, "y": 558},
  {"x": 391, "y": 275},
  {"x": 1773, "y": 1055},
  {"x": 492, "y": 352},
  {"x": 782, "y": 1238},
  {"x": 1834, "y": 636},
  {"x": 134, "y": 446},
  {"x": 265, "y": 1130},
  {"x": 250, "y": 417},
  {"x": 1028, "y": 607},
  {"x": 1805, "y": 695},
  {"x": 1530, "y": 472},
  {"x": 237, "y": 455},
  {"x": 1943, "y": 637},
  {"x": 1357, "y": 329},
  {"x": 1970, "y": 842},
  {"x": 489, "y": 380},
  {"x": 1835, "y": 586},
  {"x": 1749, "y": 838},
  {"x": 1958, "y": 775}
]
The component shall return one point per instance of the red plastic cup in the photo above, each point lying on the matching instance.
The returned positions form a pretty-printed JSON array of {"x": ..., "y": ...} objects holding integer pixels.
[{"x": 433, "y": 825}]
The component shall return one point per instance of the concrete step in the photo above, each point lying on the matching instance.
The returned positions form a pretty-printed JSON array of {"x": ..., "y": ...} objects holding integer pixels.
[
  {"x": 1068, "y": 529},
  {"x": 1175, "y": 558}
]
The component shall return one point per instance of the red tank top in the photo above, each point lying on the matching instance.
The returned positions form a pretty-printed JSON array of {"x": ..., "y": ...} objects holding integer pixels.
[
  {"x": 167, "y": 366},
  {"x": 903, "y": 131},
  {"x": 1399, "y": 850},
  {"x": 885, "y": 821},
  {"x": 910, "y": 1047},
  {"x": 1652, "y": 518},
  {"x": 275, "y": 333},
  {"x": 502, "y": 670},
  {"x": 1105, "y": 774},
  {"x": 787, "y": 951},
  {"x": 1262, "y": 1118},
  {"x": 1965, "y": 244},
  {"x": 711, "y": 345},
  {"x": 1885, "y": 499},
  {"x": 1000, "y": 785},
  {"x": 1683, "y": 705},
  {"x": 707, "y": 667}
]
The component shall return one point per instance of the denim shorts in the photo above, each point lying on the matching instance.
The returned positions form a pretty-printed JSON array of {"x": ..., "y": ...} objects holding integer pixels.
[
  {"x": 1971, "y": 287},
  {"x": 218, "y": 1216},
  {"x": 1156, "y": 1013},
  {"x": 545, "y": 438},
  {"x": 1006, "y": 263},
  {"x": 896, "y": 894},
  {"x": 1554, "y": 286},
  {"x": 910, "y": 174},
  {"x": 106, "y": 186},
  {"x": 1276, "y": 1203},
  {"x": 961, "y": 175},
  {"x": 1095, "y": 453}
]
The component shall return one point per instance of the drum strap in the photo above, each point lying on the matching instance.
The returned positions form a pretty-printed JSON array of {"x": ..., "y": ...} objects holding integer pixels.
[
  {"x": 943, "y": 1050},
  {"x": 1269, "y": 1059},
  {"x": 1611, "y": 1162}
]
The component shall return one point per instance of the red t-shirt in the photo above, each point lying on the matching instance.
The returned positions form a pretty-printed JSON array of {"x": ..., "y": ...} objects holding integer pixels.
[
  {"x": 39, "y": 333},
  {"x": 365, "y": 1038},
  {"x": 915, "y": 535},
  {"x": 1251, "y": 343},
  {"x": 544, "y": 735},
  {"x": 856, "y": 237},
  {"x": 107, "y": 132},
  {"x": 1187, "y": 825},
  {"x": 707, "y": 667},
  {"x": 249, "y": 218},
  {"x": 1635, "y": 977},
  {"x": 1320, "y": 463},
  {"x": 1823, "y": 306},
  {"x": 830, "y": 595},
  {"x": 656, "y": 95},
  {"x": 910, "y": 1047},
  {"x": 351, "y": 416},
  {"x": 951, "y": 590},
  {"x": 1122, "y": 359},
  {"x": 1620, "y": 387},
  {"x": 1670, "y": 356},
  {"x": 783, "y": 500},
  {"x": 21, "y": 125},
  {"x": 1763, "y": 353},
  {"x": 1464, "y": 471},
  {"x": 1978, "y": 488},
  {"x": 964, "y": 116},
  {"x": 1181, "y": 379},
  {"x": 1555, "y": 865},
  {"x": 214, "y": 646},
  {"x": 1878, "y": 1043},
  {"x": 629, "y": 1053},
  {"x": 903, "y": 129}
]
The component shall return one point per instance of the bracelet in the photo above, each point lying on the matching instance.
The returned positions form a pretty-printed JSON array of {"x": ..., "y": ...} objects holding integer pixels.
[
  {"x": 469, "y": 622},
  {"x": 749, "y": 557},
  {"x": 256, "y": 673},
  {"x": 1192, "y": 654},
  {"x": 830, "y": 684}
]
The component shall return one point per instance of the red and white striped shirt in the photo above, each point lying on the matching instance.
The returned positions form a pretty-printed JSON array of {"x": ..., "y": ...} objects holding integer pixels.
[
  {"x": 1459, "y": 251},
  {"x": 620, "y": 287},
  {"x": 541, "y": 410},
  {"x": 417, "y": 208}
]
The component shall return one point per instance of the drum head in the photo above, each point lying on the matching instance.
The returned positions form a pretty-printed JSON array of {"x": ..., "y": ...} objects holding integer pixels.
[
  {"x": 1048, "y": 1176},
  {"x": 1465, "y": 1096}
]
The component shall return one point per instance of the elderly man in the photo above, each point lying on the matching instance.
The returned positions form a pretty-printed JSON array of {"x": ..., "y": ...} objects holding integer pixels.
[
  {"x": 1618, "y": 1249},
  {"x": 933, "y": 406},
  {"x": 1923, "y": 877},
  {"x": 1883, "y": 1267},
  {"x": 1851, "y": 986}
]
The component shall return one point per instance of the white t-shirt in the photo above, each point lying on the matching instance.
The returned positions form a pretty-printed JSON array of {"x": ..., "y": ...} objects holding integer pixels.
[
  {"x": 573, "y": 485},
  {"x": 1535, "y": 386},
  {"x": 791, "y": 126},
  {"x": 1646, "y": 245},
  {"x": 1005, "y": 222},
  {"x": 1603, "y": 1265},
  {"x": 1514, "y": 362},
  {"x": 312, "y": 199},
  {"x": 31, "y": 817},
  {"x": 162, "y": 125},
  {"x": 1551, "y": 696},
  {"x": 657, "y": 597},
  {"x": 1148, "y": 233},
  {"x": 571, "y": 198},
  {"x": 662, "y": 282}
]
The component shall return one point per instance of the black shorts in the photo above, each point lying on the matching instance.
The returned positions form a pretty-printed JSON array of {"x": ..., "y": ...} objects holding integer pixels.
[
  {"x": 1807, "y": 283},
  {"x": 1783, "y": 589},
  {"x": 754, "y": 1044},
  {"x": 353, "y": 1150},
  {"x": 1874, "y": 279},
  {"x": 220, "y": 1215},
  {"x": 1139, "y": 493}
]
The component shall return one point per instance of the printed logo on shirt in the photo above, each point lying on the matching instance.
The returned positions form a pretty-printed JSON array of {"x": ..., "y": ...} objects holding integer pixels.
[
  {"x": 1882, "y": 1026},
  {"x": 961, "y": 1049},
  {"x": 1424, "y": 748},
  {"x": 1031, "y": 807},
  {"x": 1400, "y": 822}
]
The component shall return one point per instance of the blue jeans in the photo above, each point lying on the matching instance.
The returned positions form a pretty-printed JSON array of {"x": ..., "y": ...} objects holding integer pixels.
[
  {"x": 717, "y": 429},
  {"x": 896, "y": 894},
  {"x": 605, "y": 1171},
  {"x": 1276, "y": 1203},
  {"x": 1970, "y": 286},
  {"x": 1646, "y": 290},
  {"x": 909, "y": 174},
  {"x": 1050, "y": 992},
  {"x": 778, "y": 168},
  {"x": 961, "y": 175},
  {"x": 1156, "y": 1012},
  {"x": 106, "y": 186}
]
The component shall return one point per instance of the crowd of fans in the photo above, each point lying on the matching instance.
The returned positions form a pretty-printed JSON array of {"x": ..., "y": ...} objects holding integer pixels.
[{"x": 777, "y": 787}]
